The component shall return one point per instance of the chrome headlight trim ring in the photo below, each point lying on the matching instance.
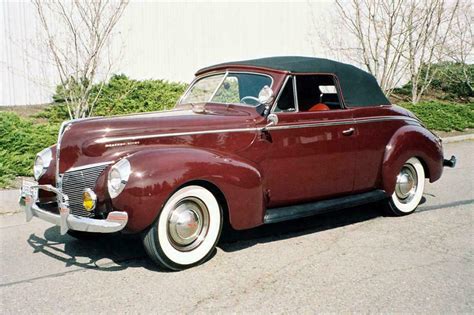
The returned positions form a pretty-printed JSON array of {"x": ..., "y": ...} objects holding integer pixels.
[
  {"x": 118, "y": 177},
  {"x": 42, "y": 161}
]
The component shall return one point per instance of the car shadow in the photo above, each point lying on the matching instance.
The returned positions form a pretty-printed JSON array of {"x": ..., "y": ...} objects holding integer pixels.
[
  {"x": 108, "y": 252},
  {"x": 114, "y": 252},
  {"x": 234, "y": 240}
]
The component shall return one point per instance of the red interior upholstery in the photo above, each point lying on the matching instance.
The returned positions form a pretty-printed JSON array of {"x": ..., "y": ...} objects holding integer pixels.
[{"x": 319, "y": 106}]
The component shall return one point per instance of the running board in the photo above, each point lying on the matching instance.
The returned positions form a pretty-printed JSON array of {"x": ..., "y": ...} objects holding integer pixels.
[{"x": 308, "y": 209}]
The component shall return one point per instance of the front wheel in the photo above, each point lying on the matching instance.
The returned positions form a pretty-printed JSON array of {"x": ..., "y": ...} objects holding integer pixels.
[
  {"x": 408, "y": 188},
  {"x": 187, "y": 230}
]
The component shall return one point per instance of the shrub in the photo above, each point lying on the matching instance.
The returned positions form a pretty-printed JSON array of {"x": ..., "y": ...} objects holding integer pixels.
[
  {"x": 443, "y": 116},
  {"x": 452, "y": 78},
  {"x": 451, "y": 81},
  {"x": 21, "y": 140},
  {"x": 121, "y": 95}
]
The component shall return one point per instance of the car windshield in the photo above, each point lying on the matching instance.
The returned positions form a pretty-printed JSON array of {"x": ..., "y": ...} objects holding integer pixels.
[{"x": 230, "y": 87}]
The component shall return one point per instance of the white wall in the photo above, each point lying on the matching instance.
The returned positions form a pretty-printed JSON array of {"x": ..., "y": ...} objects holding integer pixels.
[{"x": 162, "y": 40}]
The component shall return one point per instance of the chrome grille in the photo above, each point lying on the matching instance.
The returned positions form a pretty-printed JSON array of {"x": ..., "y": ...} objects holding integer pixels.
[{"x": 75, "y": 181}]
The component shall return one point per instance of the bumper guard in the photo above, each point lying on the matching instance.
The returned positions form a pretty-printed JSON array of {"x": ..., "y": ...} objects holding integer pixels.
[{"x": 116, "y": 220}]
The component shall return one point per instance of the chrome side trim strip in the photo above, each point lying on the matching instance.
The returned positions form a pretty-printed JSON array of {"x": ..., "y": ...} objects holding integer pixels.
[
  {"x": 189, "y": 133},
  {"x": 309, "y": 125},
  {"x": 345, "y": 122},
  {"x": 321, "y": 124},
  {"x": 384, "y": 118}
]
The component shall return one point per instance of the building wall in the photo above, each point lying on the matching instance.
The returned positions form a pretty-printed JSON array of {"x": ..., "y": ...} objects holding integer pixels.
[{"x": 162, "y": 40}]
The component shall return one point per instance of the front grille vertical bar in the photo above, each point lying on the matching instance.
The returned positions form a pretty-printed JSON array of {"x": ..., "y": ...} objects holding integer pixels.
[{"x": 62, "y": 129}]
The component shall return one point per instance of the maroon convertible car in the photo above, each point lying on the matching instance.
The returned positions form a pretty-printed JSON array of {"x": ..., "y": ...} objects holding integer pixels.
[{"x": 249, "y": 143}]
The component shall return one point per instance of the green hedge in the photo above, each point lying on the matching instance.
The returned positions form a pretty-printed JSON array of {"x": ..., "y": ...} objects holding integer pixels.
[
  {"x": 20, "y": 141},
  {"x": 121, "y": 95},
  {"x": 450, "y": 82},
  {"x": 443, "y": 116}
]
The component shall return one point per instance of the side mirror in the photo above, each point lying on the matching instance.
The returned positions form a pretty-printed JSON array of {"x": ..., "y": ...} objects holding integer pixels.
[{"x": 265, "y": 96}]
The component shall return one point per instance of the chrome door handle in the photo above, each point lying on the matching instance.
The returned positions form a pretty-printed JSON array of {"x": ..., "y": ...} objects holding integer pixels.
[{"x": 348, "y": 132}]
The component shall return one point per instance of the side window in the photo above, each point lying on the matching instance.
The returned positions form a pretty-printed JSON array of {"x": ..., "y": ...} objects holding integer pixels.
[
  {"x": 286, "y": 102},
  {"x": 317, "y": 93}
]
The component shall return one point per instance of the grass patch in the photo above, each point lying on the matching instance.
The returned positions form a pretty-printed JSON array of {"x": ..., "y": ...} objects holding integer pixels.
[
  {"x": 21, "y": 139},
  {"x": 443, "y": 116}
]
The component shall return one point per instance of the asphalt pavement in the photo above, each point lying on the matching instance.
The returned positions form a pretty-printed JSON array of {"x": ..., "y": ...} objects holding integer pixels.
[{"x": 352, "y": 260}]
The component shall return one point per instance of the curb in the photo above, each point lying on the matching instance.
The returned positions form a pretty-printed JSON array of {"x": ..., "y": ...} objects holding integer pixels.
[
  {"x": 9, "y": 201},
  {"x": 458, "y": 138}
]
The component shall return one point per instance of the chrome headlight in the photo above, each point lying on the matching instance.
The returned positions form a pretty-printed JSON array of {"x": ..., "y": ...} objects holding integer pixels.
[
  {"x": 42, "y": 161},
  {"x": 118, "y": 177}
]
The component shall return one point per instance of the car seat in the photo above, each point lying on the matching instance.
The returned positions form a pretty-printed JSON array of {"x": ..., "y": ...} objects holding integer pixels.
[{"x": 319, "y": 107}]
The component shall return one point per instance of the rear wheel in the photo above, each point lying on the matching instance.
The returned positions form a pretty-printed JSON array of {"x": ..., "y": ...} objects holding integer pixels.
[
  {"x": 187, "y": 230},
  {"x": 408, "y": 188}
]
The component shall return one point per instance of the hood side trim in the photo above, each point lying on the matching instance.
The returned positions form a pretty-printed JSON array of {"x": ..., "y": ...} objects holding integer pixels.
[
  {"x": 176, "y": 134},
  {"x": 360, "y": 120}
]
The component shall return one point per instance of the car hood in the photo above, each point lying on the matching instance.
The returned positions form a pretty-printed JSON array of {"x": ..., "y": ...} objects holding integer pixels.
[{"x": 96, "y": 140}]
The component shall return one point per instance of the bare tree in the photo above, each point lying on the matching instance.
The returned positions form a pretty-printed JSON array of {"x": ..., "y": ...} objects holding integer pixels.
[
  {"x": 379, "y": 37},
  {"x": 77, "y": 35},
  {"x": 460, "y": 46},
  {"x": 400, "y": 39},
  {"x": 429, "y": 24}
]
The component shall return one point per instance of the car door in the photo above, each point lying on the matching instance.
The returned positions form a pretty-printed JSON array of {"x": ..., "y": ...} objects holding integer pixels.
[{"x": 310, "y": 154}]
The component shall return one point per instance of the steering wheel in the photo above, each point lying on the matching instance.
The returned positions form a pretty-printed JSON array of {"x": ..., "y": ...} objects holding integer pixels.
[{"x": 250, "y": 98}]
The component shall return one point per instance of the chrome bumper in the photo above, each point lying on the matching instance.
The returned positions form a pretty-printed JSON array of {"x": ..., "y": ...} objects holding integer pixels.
[{"x": 116, "y": 220}]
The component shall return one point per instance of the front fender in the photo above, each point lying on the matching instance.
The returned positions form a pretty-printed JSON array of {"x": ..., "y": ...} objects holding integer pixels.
[
  {"x": 157, "y": 173},
  {"x": 411, "y": 141}
]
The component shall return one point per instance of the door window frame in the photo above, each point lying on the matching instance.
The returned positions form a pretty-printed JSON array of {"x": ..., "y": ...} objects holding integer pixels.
[{"x": 295, "y": 92}]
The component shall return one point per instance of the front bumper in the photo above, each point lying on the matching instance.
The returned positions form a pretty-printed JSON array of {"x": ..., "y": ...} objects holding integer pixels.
[{"x": 116, "y": 220}]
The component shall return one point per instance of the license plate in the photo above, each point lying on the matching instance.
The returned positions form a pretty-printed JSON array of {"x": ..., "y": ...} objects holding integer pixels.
[{"x": 27, "y": 189}]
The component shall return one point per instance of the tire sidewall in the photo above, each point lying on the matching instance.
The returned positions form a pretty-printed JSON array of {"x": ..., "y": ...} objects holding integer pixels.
[
  {"x": 166, "y": 253},
  {"x": 401, "y": 208}
]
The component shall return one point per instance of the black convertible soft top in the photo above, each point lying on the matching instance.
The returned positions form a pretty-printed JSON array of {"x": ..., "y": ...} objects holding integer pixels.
[{"x": 358, "y": 87}]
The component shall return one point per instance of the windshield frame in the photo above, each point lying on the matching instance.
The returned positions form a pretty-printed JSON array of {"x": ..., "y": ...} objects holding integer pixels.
[{"x": 226, "y": 73}]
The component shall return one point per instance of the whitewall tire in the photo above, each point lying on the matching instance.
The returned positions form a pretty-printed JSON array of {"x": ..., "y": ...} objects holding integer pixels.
[
  {"x": 187, "y": 229},
  {"x": 408, "y": 188}
]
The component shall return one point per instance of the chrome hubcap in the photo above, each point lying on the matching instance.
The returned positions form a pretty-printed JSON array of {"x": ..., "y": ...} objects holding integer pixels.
[
  {"x": 407, "y": 182},
  {"x": 188, "y": 224}
]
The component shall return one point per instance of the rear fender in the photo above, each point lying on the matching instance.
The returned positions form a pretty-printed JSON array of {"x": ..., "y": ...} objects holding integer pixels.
[
  {"x": 411, "y": 141},
  {"x": 158, "y": 173}
]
